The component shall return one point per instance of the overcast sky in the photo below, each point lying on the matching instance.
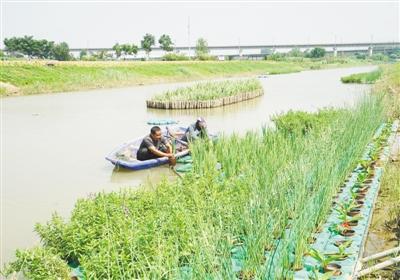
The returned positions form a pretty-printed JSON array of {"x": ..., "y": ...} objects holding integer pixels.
[{"x": 101, "y": 24}]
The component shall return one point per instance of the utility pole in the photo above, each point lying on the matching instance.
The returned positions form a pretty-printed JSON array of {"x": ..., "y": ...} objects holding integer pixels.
[
  {"x": 189, "y": 37},
  {"x": 335, "y": 48},
  {"x": 240, "y": 50}
]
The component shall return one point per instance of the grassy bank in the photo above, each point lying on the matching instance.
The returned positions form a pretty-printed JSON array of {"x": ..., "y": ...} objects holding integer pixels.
[
  {"x": 22, "y": 77},
  {"x": 389, "y": 84}
]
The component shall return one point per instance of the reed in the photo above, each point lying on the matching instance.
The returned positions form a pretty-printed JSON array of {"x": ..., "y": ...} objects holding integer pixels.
[{"x": 207, "y": 95}]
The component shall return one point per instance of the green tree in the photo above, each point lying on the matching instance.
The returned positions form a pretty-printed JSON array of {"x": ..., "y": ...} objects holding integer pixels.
[
  {"x": 43, "y": 48},
  {"x": 134, "y": 49},
  {"x": 126, "y": 49},
  {"x": 29, "y": 46},
  {"x": 147, "y": 42},
  {"x": 117, "y": 49},
  {"x": 317, "y": 53},
  {"x": 295, "y": 52},
  {"x": 83, "y": 54},
  {"x": 202, "y": 47},
  {"x": 166, "y": 43},
  {"x": 61, "y": 52},
  {"x": 19, "y": 44},
  {"x": 100, "y": 55}
]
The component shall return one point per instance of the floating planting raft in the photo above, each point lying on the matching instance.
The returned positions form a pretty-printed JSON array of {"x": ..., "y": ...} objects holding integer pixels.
[
  {"x": 339, "y": 246},
  {"x": 208, "y": 95}
]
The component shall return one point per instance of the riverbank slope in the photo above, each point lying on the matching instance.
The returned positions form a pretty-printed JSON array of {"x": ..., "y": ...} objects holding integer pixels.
[{"x": 33, "y": 77}]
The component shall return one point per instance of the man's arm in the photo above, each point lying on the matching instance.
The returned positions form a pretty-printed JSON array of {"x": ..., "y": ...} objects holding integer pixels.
[
  {"x": 167, "y": 144},
  {"x": 159, "y": 153},
  {"x": 149, "y": 145}
]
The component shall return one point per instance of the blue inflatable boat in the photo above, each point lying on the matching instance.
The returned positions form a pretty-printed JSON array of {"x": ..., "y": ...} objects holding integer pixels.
[{"x": 125, "y": 155}]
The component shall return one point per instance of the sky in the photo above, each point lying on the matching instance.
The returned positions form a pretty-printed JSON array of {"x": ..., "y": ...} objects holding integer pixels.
[{"x": 92, "y": 24}]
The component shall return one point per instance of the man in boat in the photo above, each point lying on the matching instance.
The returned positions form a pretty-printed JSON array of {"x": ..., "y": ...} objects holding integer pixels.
[
  {"x": 154, "y": 145},
  {"x": 196, "y": 130}
]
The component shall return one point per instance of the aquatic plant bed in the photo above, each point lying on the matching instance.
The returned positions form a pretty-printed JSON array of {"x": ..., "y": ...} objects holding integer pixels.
[
  {"x": 337, "y": 248},
  {"x": 247, "y": 209},
  {"x": 208, "y": 95}
]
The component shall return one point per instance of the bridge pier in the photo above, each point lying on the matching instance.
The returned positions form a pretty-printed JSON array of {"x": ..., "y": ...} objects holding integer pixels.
[
  {"x": 334, "y": 52},
  {"x": 370, "y": 51}
]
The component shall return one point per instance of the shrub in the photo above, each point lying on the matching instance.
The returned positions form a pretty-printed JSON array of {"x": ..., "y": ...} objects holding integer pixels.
[
  {"x": 316, "y": 53},
  {"x": 360, "y": 55},
  {"x": 37, "y": 264},
  {"x": 175, "y": 57},
  {"x": 204, "y": 57},
  {"x": 301, "y": 123},
  {"x": 295, "y": 52},
  {"x": 363, "y": 78},
  {"x": 380, "y": 57},
  {"x": 276, "y": 57}
]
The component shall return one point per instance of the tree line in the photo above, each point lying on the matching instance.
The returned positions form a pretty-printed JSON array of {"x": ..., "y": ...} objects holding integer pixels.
[
  {"x": 33, "y": 48},
  {"x": 44, "y": 49}
]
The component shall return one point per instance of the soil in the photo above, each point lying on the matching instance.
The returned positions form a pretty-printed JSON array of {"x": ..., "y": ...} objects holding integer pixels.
[{"x": 9, "y": 89}]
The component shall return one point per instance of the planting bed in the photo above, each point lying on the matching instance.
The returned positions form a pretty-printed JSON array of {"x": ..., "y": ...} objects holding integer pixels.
[{"x": 208, "y": 95}]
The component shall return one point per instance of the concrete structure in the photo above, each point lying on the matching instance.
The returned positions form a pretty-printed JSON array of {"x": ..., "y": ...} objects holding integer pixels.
[{"x": 259, "y": 50}]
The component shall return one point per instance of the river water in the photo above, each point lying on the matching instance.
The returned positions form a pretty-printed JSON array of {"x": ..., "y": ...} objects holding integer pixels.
[{"x": 53, "y": 145}]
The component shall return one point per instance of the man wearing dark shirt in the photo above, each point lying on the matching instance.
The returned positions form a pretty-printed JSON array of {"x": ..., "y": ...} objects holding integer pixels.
[{"x": 154, "y": 146}]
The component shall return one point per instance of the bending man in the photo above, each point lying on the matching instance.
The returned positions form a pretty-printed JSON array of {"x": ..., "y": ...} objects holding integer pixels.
[{"x": 196, "y": 130}]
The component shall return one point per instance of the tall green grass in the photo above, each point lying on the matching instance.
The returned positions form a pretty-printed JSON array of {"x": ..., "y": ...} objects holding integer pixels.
[
  {"x": 288, "y": 187},
  {"x": 256, "y": 198},
  {"x": 363, "y": 78},
  {"x": 299, "y": 122}
]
